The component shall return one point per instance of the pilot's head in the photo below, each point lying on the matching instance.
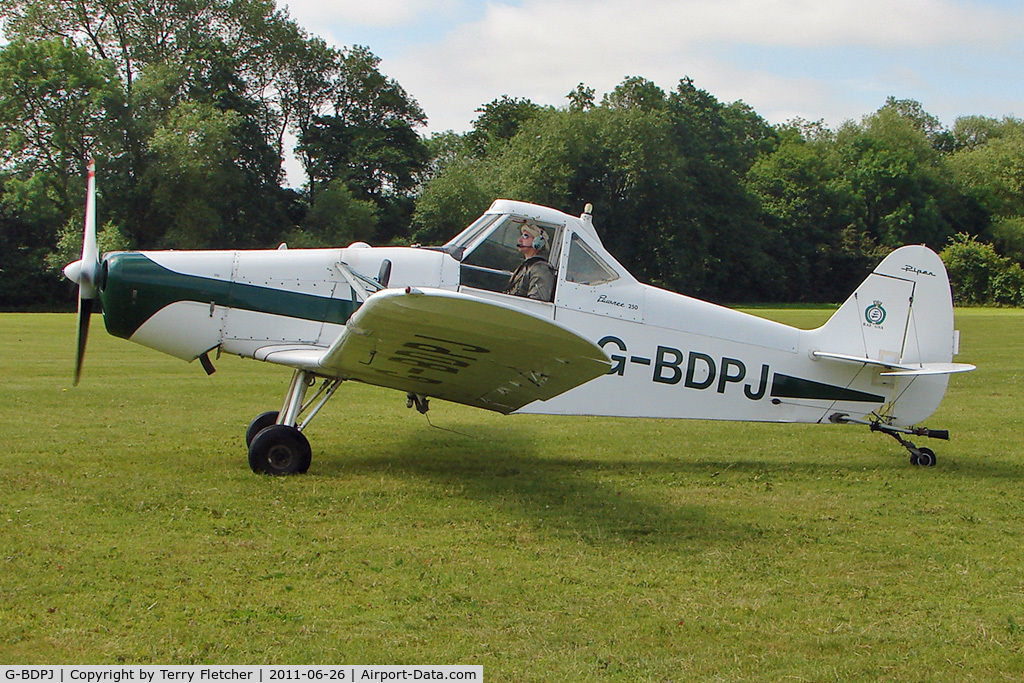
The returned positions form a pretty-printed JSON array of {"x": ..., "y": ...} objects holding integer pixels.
[{"x": 531, "y": 239}]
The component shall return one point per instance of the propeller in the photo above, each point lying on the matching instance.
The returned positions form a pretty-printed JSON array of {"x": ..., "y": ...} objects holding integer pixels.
[{"x": 84, "y": 272}]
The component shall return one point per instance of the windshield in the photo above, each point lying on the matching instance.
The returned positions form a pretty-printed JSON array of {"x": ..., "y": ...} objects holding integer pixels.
[{"x": 462, "y": 241}]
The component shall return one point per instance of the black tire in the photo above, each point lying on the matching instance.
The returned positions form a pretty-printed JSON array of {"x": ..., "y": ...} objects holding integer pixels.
[
  {"x": 927, "y": 457},
  {"x": 259, "y": 423},
  {"x": 280, "y": 450}
]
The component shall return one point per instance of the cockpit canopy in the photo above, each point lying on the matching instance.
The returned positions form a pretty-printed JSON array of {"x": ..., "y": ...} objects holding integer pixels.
[{"x": 488, "y": 254}]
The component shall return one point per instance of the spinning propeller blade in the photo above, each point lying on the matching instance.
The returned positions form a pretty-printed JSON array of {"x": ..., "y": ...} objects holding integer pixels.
[
  {"x": 84, "y": 271},
  {"x": 84, "y": 314}
]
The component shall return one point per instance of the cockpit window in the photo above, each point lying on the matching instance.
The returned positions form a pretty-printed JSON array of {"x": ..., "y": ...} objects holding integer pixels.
[
  {"x": 492, "y": 259},
  {"x": 585, "y": 267},
  {"x": 498, "y": 251}
]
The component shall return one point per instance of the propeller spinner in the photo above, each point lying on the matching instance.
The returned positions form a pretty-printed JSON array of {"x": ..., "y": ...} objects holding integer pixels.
[{"x": 84, "y": 272}]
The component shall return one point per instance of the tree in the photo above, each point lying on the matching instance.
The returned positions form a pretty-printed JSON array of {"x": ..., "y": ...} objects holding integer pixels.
[
  {"x": 992, "y": 174},
  {"x": 720, "y": 142},
  {"x": 186, "y": 105},
  {"x": 806, "y": 215},
  {"x": 499, "y": 121},
  {"x": 901, "y": 190},
  {"x": 912, "y": 111},
  {"x": 635, "y": 92},
  {"x": 54, "y": 103},
  {"x": 335, "y": 219},
  {"x": 109, "y": 237},
  {"x": 239, "y": 56},
  {"x": 193, "y": 178},
  {"x": 971, "y": 131},
  {"x": 306, "y": 68},
  {"x": 135, "y": 34},
  {"x": 368, "y": 141},
  {"x": 978, "y": 275},
  {"x": 581, "y": 98},
  {"x": 452, "y": 200},
  {"x": 25, "y": 238}
]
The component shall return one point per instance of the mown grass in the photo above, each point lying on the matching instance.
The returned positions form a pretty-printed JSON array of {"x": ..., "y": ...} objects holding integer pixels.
[{"x": 131, "y": 529}]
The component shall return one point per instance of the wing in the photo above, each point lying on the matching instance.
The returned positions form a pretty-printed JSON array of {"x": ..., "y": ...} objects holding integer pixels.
[{"x": 456, "y": 347}]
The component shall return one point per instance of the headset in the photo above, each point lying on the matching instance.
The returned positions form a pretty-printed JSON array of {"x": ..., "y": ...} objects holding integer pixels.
[{"x": 540, "y": 241}]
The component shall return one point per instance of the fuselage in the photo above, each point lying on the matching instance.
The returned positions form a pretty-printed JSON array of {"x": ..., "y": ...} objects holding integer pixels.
[{"x": 671, "y": 355}]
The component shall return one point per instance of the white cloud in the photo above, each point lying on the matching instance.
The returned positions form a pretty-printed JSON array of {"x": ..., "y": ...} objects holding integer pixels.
[
  {"x": 542, "y": 48},
  {"x": 653, "y": 24},
  {"x": 313, "y": 14}
]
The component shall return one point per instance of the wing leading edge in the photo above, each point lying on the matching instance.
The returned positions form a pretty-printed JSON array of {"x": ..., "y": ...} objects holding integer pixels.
[{"x": 455, "y": 347}]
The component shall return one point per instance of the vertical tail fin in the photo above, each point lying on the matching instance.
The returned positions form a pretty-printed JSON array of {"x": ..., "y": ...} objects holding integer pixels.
[{"x": 901, "y": 316}]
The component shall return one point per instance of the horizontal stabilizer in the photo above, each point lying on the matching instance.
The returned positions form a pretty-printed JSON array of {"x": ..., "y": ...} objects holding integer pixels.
[
  {"x": 899, "y": 369},
  {"x": 931, "y": 369}
]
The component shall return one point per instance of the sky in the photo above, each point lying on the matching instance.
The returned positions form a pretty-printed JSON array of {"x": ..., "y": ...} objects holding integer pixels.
[{"x": 830, "y": 60}]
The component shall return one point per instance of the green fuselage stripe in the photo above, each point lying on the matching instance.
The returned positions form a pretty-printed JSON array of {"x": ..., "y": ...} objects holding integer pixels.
[
  {"x": 135, "y": 288},
  {"x": 784, "y": 386}
]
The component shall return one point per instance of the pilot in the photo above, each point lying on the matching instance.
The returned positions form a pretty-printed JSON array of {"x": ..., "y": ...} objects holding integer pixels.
[{"x": 535, "y": 277}]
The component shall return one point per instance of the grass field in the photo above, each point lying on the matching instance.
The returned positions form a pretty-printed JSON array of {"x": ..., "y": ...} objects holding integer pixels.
[{"x": 131, "y": 529}]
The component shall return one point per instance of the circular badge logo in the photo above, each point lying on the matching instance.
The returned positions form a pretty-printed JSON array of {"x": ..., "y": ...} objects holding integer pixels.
[{"x": 875, "y": 314}]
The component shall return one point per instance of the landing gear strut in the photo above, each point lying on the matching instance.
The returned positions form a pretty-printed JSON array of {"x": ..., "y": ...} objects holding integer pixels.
[
  {"x": 275, "y": 439},
  {"x": 422, "y": 403},
  {"x": 924, "y": 457}
]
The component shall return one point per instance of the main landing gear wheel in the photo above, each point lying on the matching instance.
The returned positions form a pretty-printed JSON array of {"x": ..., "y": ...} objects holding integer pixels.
[
  {"x": 276, "y": 441},
  {"x": 259, "y": 423},
  {"x": 280, "y": 450}
]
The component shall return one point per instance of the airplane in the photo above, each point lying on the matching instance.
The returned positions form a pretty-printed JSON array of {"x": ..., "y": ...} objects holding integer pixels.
[{"x": 435, "y": 323}]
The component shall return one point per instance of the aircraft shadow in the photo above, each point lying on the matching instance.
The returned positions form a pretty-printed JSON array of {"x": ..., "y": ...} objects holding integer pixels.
[
  {"x": 595, "y": 499},
  {"x": 592, "y": 500}
]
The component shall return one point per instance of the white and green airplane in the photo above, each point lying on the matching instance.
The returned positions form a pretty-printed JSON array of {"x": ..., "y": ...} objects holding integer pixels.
[{"x": 434, "y": 322}]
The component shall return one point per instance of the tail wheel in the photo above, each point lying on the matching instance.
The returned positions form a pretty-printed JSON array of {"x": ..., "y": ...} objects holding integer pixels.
[
  {"x": 924, "y": 457},
  {"x": 280, "y": 450}
]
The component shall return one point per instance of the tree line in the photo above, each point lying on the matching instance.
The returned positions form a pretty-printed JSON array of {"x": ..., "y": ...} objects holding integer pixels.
[{"x": 188, "y": 108}]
